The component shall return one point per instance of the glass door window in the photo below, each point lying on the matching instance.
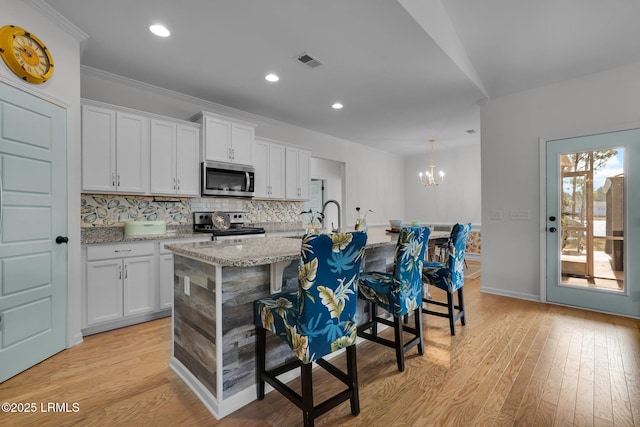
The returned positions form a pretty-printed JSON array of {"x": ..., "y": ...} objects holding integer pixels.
[{"x": 592, "y": 219}]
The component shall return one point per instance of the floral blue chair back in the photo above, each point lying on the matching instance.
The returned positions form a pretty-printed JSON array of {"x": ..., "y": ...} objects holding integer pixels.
[
  {"x": 321, "y": 318},
  {"x": 451, "y": 277},
  {"x": 455, "y": 258},
  {"x": 409, "y": 255}
]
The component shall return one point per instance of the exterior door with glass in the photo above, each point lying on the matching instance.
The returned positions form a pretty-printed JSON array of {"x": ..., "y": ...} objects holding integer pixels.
[{"x": 593, "y": 222}]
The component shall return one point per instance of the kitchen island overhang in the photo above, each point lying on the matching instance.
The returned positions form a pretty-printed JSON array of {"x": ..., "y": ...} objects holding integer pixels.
[{"x": 213, "y": 326}]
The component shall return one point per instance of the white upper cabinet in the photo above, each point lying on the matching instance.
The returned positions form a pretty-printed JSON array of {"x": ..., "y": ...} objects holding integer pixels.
[
  {"x": 115, "y": 151},
  {"x": 270, "y": 170},
  {"x": 297, "y": 173},
  {"x": 174, "y": 158},
  {"x": 242, "y": 137},
  {"x": 188, "y": 161},
  {"x": 226, "y": 140}
]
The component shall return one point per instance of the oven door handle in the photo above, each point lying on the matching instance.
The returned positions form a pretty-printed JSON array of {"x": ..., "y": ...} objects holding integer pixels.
[{"x": 248, "y": 177}]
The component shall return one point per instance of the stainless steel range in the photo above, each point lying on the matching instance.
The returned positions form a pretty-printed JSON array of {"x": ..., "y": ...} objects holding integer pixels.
[{"x": 224, "y": 225}]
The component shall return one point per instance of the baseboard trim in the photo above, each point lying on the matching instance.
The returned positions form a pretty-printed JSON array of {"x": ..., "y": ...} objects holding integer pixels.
[
  {"x": 510, "y": 294},
  {"x": 202, "y": 393},
  {"x": 129, "y": 321}
]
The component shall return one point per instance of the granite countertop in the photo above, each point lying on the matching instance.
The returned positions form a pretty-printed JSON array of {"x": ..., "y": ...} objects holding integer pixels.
[
  {"x": 262, "y": 250},
  {"x": 97, "y": 235}
]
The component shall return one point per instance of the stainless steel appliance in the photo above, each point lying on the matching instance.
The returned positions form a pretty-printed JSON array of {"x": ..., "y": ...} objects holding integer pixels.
[
  {"x": 227, "y": 179},
  {"x": 224, "y": 225}
]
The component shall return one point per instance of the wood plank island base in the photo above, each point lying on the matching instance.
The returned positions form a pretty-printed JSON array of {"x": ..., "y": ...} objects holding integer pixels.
[{"x": 213, "y": 325}]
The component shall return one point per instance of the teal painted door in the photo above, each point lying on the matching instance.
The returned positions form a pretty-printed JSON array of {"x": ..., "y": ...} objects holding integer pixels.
[
  {"x": 593, "y": 222},
  {"x": 33, "y": 209}
]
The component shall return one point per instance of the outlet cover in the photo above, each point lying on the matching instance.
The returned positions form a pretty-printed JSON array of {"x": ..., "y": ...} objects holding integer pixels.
[{"x": 187, "y": 285}]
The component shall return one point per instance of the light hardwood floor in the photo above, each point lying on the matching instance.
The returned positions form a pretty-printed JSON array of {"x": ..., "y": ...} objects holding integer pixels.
[{"x": 515, "y": 363}]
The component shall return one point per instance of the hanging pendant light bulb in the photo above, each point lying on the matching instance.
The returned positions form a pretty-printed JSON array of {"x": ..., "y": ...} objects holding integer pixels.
[{"x": 428, "y": 178}]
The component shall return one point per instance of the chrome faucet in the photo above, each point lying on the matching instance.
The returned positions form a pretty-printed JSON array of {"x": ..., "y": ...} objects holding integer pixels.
[{"x": 324, "y": 207}]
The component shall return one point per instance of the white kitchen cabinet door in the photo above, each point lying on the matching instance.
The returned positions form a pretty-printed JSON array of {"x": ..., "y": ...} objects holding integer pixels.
[
  {"x": 104, "y": 291},
  {"x": 139, "y": 285},
  {"x": 217, "y": 139},
  {"x": 276, "y": 171},
  {"x": 261, "y": 174},
  {"x": 188, "y": 161},
  {"x": 304, "y": 173},
  {"x": 242, "y": 137},
  {"x": 132, "y": 153},
  {"x": 163, "y": 157},
  {"x": 166, "y": 280},
  {"x": 174, "y": 159},
  {"x": 297, "y": 173},
  {"x": 98, "y": 149},
  {"x": 269, "y": 169}
]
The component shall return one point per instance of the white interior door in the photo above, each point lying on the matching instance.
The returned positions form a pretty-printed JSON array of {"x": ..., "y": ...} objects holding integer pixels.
[
  {"x": 33, "y": 212},
  {"x": 593, "y": 222}
]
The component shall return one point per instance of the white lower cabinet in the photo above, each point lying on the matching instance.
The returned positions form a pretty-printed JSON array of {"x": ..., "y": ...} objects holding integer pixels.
[
  {"x": 104, "y": 291},
  {"x": 127, "y": 283},
  {"x": 120, "y": 282},
  {"x": 139, "y": 289}
]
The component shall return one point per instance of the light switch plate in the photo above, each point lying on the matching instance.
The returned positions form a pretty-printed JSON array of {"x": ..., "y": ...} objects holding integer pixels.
[
  {"x": 496, "y": 214},
  {"x": 520, "y": 215}
]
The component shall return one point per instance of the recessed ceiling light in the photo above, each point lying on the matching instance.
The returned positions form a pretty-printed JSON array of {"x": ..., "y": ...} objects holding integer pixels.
[
  {"x": 272, "y": 78},
  {"x": 159, "y": 30},
  {"x": 337, "y": 106}
]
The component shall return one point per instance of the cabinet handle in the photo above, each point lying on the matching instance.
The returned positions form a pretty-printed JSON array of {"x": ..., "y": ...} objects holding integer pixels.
[
  {"x": 125, "y": 271},
  {"x": 174, "y": 182},
  {"x": 229, "y": 153},
  {"x": 113, "y": 179},
  {"x": 120, "y": 272},
  {"x": 122, "y": 250},
  {"x": 118, "y": 180},
  {"x": 178, "y": 181}
]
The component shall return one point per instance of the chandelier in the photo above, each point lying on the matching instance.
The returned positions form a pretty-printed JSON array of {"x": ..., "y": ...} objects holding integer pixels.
[{"x": 428, "y": 178}]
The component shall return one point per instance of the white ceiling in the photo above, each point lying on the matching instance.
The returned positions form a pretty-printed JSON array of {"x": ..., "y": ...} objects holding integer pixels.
[{"x": 406, "y": 70}]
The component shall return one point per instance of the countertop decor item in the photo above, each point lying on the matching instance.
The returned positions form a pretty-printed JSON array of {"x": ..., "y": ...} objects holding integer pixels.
[
  {"x": 25, "y": 54},
  {"x": 145, "y": 228},
  {"x": 429, "y": 176},
  {"x": 395, "y": 224},
  {"x": 314, "y": 226},
  {"x": 361, "y": 220}
]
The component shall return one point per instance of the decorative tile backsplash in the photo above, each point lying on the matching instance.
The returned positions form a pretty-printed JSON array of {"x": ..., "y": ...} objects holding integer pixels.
[
  {"x": 103, "y": 210},
  {"x": 99, "y": 210}
]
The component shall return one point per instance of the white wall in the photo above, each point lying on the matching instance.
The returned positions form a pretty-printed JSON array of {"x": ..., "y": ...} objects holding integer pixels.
[
  {"x": 511, "y": 128},
  {"x": 63, "y": 89},
  {"x": 373, "y": 177},
  {"x": 458, "y": 198}
]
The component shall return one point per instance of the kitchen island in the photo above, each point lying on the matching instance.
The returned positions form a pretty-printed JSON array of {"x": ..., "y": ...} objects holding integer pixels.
[{"x": 215, "y": 285}]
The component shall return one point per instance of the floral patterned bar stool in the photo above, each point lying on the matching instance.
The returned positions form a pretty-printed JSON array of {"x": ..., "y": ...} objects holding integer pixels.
[
  {"x": 399, "y": 293},
  {"x": 317, "y": 320},
  {"x": 449, "y": 276}
]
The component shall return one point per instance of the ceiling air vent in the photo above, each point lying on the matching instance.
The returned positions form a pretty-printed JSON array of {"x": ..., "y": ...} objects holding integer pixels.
[{"x": 308, "y": 60}]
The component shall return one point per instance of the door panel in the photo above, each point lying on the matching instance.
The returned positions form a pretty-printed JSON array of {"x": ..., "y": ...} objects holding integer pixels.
[
  {"x": 33, "y": 204},
  {"x": 18, "y": 274},
  {"x": 592, "y": 223}
]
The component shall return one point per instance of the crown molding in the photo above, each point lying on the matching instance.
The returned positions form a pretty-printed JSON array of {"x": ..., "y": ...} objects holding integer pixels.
[{"x": 60, "y": 20}]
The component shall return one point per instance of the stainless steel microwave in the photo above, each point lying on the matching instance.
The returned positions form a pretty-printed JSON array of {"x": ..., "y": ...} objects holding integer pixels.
[{"x": 227, "y": 179}]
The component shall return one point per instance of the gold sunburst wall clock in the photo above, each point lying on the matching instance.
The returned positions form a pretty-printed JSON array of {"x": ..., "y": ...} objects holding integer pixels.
[{"x": 25, "y": 54}]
